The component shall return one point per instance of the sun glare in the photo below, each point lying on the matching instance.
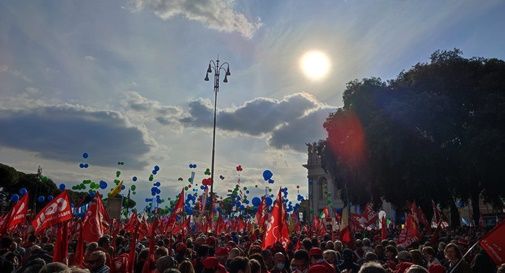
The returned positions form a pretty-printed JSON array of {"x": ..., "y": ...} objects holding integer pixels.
[{"x": 315, "y": 65}]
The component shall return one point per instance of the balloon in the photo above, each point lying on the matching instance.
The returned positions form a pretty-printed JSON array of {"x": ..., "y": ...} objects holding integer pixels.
[
  {"x": 149, "y": 199},
  {"x": 268, "y": 201},
  {"x": 85, "y": 155},
  {"x": 23, "y": 191},
  {"x": 85, "y": 165},
  {"x": 256, "y": 201},
  {"x": 62, "y": 187},
  {"x": 133, "y": 187},
  {"x": 41, "y": 199},
  {"x": 151, "y": 177},
  {"x": 118, "y": 173},
  {"x": 154, "y": 172},
  {"x": 81, "y": 165},
  {"x": 207, "y": 171},
  {"x": 267, "y": 174},
  {"x": 271, "y": 181},
  {"x": 221, "y": 177},
  {"x": 123, "y": 187},
  {"x": 14, "y": 198},
  {"x": 134, "y": 178},
  {"x": 49, "y": 197},
  {"x": 238, "y": 168},
  {"x": 103, "y": 185}
]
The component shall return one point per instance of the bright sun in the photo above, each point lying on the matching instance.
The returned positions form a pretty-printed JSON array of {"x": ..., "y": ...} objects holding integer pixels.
[{"x": 315, "y": 65}]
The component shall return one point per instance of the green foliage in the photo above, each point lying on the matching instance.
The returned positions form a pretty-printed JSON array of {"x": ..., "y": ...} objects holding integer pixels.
[{"x": 434, "y": 133}]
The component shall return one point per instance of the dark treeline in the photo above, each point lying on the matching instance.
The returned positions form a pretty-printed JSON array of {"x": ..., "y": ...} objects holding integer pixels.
[{"x": 436, "y": 132}]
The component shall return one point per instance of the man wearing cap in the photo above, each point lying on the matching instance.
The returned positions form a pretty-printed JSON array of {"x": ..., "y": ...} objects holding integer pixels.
[
  {"x": 222, "y": 255},
  {"x": 318, "y": 263},
  {"x": 211, "y": 264}
]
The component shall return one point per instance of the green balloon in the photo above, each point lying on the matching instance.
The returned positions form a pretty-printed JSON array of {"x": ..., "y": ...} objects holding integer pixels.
[
  {"x": 186, "y": 188},
  {"x": 118, "y": 173},
  {"x": 151, "y": 177},
  {"x": 133, "y": 187}
]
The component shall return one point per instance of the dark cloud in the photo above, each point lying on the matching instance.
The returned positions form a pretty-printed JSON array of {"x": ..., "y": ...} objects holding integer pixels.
[
  {"x": 296, "y": 133},
  {"x": 255, "y": 117},
  {"x": 289, "y": 122},
  {"x": 64, "y": 132}
]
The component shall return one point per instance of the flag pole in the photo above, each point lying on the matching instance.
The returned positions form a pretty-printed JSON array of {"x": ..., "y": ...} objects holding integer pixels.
[{"x": 464, "y": 256}]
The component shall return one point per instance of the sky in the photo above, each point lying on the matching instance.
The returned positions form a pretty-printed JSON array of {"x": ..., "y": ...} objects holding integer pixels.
[{"x": 122, "y": 80}]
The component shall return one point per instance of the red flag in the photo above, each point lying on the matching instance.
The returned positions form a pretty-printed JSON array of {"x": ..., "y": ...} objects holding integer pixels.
[
  {"x": 79, "y": 249},
  {"x": 345, "y": 227},
  {"x": 132, "y": 223},
  {"x": 220, "y": 225},
  {"x": 494, "y": 243},
  {"x": 131, "y": 254},
  {"x": 16, "y": 216},
  {"x": 60, "y": 252},
  {"x": 148, "y": 264},
  {"x": 277, "y": 228},
  {"x": 178, "y": 208},
  {"x": 95, "y": 223},
  {"x": 410, "y": 233},
  {"x": 384, "y": 228},
  {"x": 260, "y": 214},
  {"x": 370, "y": 215},
  {"x": 56, "y": 211}
]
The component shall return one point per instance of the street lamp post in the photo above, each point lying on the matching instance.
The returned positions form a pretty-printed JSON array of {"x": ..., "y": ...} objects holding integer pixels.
[{"x": 217, "y": 68}]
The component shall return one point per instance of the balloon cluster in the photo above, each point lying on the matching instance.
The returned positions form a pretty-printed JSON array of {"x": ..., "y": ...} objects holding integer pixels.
[{"x": 84, "y": 165}]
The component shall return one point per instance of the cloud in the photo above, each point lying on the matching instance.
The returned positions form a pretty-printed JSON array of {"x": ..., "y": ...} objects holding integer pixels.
[
  {"x": 64, "y": 132},
  {"x": 215, "y": 14},
  {"x": 305, "y": 129},
  {"x": 151, "y": 109},
  {"x": 288, "y": 123}
]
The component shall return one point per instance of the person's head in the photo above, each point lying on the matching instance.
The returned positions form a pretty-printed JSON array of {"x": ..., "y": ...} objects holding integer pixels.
[
  {"x": 307, "y": 244},
  {"x": 239, "y": 265},
  {"x": 371, "y": 257},
  {"x": 171, "y": 270},
  {"x": 329, "y": 245},
  {"x": 379, "y": 250},
  {"x": 279, "y": 261},
  {"x": 428, "y": 253},
  {"x": 160, "y": 252},
  {"x": 391, "y": 252},
  {"x": 372, "y": 267},
  {"x": 104, "y": 242},
  {"x": 255, "y": 266},
  {"x": 417, "y": 257},
  {"x": 338, "y": 245},
  {"x": 316, "y": 255},
  {"x": 300, "y": 261},
  {"x": 164, "y": 263},
  {"x": 404, "y": 256},
  {"x": 330, "y": 256},
  {"x": 53, "y": 268},
  {"x": 367, "y": 242},
  {"x": 347, "y": 255},
  {"x": 416, "y": 269},
  {"x": 452, "y": 252},
  {"x": 91, "y": 247},
  {"x": 186, "y": 267},
  {"x": 95, "y": 260}
]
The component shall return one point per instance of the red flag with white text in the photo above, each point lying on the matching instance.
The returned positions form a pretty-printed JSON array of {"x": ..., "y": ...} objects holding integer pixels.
[
  {"x": 56, "y": 211},
  {"x": 494, "y": 243},
  {"x": 277, "y": 227}
]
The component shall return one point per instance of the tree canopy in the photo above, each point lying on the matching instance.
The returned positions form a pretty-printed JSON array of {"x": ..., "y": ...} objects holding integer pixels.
[{"x": 435, "y": 132}]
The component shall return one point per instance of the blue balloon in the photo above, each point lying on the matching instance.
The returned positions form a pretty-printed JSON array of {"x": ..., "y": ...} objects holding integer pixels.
[
  {"x": 149, "y": 199},
  {"x": 91, "y": 193},
  {"x": 271, "y": 181},
  {"x": 267, "y": 174},
  {"x": 154, "y": 172},
  {"x": 188, "y": 210},
  {"x": 49, "y": 197},
  {"x": 81, "y": 165},
  {"x": 157, "y": 184},
  {"x": 247, "y": 192},
  {"x": 134, "y": 178},
  {"x": 256, "y": 201},
  {"x": 62, "y": 187},
  {"x": 23, "y": 191},
  {"x": 122, "y": 187},
  {"x": 14, "y": 198},
  {"x": 41, "y": 199},
  {"x": 268, "y": 201},
  {"x": 86, "y": 165},
  {"x": 103, "y": 184},
  {"x": 156, "y": 168},
  {"x": 85, "y": 155}
]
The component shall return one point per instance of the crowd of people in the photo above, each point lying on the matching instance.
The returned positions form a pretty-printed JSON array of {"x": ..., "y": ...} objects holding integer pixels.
[{"x": 235, "y": 252}]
